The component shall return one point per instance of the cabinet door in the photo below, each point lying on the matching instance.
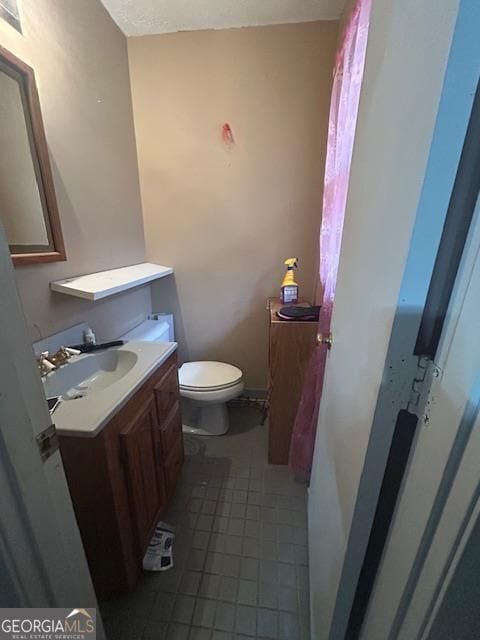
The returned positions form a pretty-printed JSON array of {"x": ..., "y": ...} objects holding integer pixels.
[
  {"x": 173, "y": 466},
  {"x": 140, "y": 446},
  {"x": 167, "y": 393},
  {"x": 171, "y": 430}
]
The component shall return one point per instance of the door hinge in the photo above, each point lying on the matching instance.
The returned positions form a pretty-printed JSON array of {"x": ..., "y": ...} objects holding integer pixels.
[
  {"x": 47, "y": 442},
  {"x": 421, "y": 384}
]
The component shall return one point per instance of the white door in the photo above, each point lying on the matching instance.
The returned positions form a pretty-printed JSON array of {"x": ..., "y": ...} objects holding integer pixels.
[
  {"x": 42, "y": 562},
  {"x": 407, "y": 53},
  {"x": 439, "y": 497}
]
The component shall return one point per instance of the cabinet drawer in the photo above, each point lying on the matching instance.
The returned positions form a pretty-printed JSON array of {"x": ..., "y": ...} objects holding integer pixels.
[
  {"x": 173, "y": 466},
  {"x": 171, "y": 430},
  {"x": 167, "y": 393}
]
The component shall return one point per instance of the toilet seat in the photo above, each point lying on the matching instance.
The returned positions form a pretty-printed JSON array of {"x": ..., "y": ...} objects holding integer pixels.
[{"x": 207, "y": 376}]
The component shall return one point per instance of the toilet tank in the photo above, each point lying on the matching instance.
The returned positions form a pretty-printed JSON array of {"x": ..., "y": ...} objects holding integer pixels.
[{"x": 158, "y": 328}]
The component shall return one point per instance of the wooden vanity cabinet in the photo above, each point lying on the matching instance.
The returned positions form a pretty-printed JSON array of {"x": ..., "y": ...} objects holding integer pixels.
[{"x": 121, "y": 480}]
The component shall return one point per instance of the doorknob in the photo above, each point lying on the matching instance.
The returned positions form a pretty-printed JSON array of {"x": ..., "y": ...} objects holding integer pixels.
[{"x": 325, "y": 338}]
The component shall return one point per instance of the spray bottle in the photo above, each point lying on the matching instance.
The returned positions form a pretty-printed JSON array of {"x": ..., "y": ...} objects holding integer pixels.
[{"x": 289, "y": 288}]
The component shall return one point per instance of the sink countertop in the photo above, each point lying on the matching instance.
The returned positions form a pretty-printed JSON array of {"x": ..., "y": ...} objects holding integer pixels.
[{"x": 85, "y": 417}]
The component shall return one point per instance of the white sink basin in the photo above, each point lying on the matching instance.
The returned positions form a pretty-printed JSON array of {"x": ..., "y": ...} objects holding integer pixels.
[
  {"x": 101, "y": 384},
  {"x": 89, "y": 373}
]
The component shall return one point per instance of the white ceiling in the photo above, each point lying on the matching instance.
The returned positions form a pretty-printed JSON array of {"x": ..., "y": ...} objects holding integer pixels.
[{"x": 142, "y": 17}]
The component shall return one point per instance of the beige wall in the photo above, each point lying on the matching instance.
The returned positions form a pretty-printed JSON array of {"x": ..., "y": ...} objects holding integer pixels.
[
  {"x": 226, "y": 218},
  {"x": 406, "y": 58},
  {"x": 80, "y": 61}
]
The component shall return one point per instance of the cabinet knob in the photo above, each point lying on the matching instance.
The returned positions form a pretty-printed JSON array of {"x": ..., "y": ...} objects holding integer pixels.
[{"x": 325, "y": 338}]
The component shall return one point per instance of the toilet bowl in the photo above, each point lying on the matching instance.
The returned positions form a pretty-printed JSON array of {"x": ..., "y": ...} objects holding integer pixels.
[{"x": 205, "y": 389}]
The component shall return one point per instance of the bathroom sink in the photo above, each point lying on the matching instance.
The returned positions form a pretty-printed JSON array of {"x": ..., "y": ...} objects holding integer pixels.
[
  {"x": 89, "y": 373},
  {"x": 101, "y": 383}
]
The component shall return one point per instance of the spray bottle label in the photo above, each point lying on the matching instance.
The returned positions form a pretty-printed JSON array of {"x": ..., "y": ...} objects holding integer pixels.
[{"x": 289, "y": 294}]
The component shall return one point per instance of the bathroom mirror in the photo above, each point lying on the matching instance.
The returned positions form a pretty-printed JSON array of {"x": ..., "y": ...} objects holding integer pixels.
[{"x": 28, "y": 206}]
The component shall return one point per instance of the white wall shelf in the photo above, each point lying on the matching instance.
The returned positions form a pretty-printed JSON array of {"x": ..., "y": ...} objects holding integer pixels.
[{"x": 106, "y": 283}]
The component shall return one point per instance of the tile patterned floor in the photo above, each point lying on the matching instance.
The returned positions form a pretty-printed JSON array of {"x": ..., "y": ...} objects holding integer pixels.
[{"x": 240, "y": 549}]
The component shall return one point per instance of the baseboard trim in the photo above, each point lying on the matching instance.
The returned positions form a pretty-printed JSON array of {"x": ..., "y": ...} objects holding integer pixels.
[{"x": 258, "y": 394}]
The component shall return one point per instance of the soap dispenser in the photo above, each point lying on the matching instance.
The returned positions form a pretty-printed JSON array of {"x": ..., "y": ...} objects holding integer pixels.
[{"x": 89, "y": 336}]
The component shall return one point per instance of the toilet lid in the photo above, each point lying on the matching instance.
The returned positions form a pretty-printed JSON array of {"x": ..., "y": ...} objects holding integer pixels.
[{"x": 208, "y": 375}]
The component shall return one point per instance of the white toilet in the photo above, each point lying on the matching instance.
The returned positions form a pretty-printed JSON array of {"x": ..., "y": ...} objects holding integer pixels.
[{"x": 205, "y": 387}]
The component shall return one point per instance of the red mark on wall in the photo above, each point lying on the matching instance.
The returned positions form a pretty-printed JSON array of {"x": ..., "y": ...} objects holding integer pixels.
[{"x": 227, "y": 134}]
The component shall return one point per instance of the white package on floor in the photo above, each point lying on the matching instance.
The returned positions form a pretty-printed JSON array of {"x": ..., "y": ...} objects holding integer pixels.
[{"x": 159, "y": 554}]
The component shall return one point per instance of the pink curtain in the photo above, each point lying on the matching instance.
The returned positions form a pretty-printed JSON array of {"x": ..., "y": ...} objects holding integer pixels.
[{"x": 347, "y": 80}]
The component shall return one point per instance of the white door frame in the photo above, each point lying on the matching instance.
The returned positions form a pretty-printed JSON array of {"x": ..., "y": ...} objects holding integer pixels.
[
  {"x": 441, "y": 482},
  {"x": 455, "y": 107},
  {"x": 41, "y": 555},
  {"x": 467, "y": 535}
]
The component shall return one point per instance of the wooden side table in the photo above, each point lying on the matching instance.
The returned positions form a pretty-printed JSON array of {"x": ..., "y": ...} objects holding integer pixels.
[{"x": 291, "y": 344}]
